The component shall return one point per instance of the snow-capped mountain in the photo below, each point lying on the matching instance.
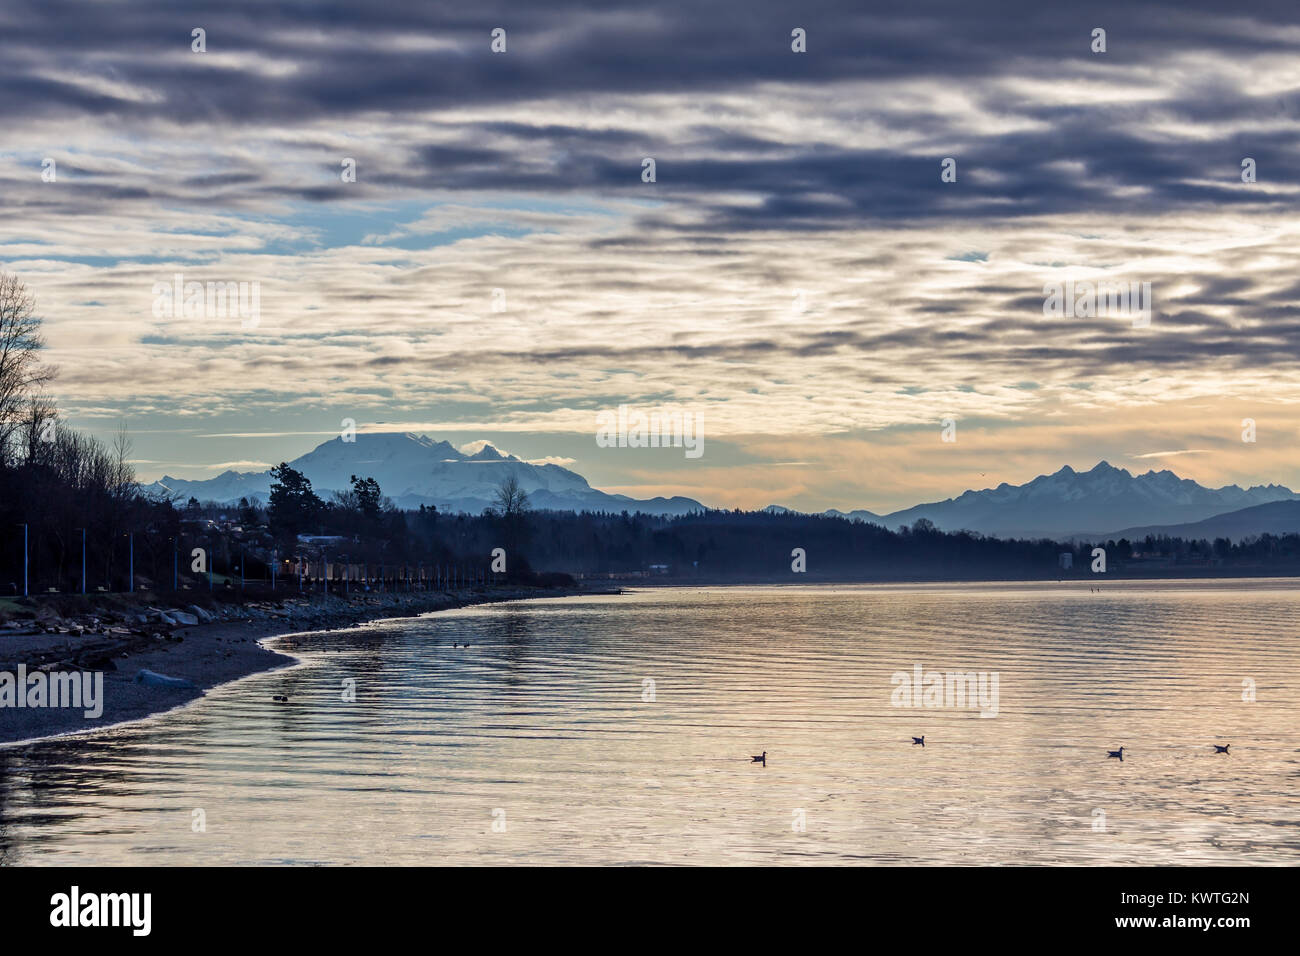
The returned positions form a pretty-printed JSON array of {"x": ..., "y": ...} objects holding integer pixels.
[
  {"x": 415, "y": 470},
  {"x": 1069, "y": 502}
]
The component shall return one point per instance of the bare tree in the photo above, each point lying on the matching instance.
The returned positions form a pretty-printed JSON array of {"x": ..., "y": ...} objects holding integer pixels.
[
  {"x": 21, "y": 371},
  {"x": 39, "y": 430},
  {"x": 512, "y": 501},
  {"x": 123, "y": 482},
  {"x": 121, "y": 492},
  {"x": 512, "y": 509}
]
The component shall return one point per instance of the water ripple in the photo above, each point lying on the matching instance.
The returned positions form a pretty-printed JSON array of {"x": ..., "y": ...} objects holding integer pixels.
[{"x": 543, "y": 721}]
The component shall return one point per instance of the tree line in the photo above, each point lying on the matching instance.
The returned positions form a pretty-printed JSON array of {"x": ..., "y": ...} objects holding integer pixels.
[{"x": 723, "y": 545}]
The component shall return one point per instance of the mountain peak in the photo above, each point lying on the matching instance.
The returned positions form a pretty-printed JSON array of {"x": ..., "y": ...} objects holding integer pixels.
[
  {"x": 486, "y": 451},
  {"x": 1096, "y": 501}
]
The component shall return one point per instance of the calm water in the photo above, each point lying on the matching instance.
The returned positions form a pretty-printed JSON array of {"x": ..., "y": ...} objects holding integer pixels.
[{"x": 543, "y": 718}]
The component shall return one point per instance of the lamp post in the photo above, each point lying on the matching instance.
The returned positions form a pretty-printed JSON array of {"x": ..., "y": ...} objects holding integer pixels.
[
  {"x": 83, "y": 559},
  {"x": 130, "y": 537},
  {"x": 24, "y": 560}
]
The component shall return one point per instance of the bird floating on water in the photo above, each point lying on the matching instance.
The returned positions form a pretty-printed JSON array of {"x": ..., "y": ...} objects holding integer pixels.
[
  {"x": 918, "y": 740},
  {"x": 1223, "y": 749},
  {"x": 761, "y": 758},
  {"x": 280, "y": 699},
  {"x": 1116, "y": 753}
]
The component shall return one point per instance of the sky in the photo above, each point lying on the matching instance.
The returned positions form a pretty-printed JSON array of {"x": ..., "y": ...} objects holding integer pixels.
[{"x": 799, "y": 275}]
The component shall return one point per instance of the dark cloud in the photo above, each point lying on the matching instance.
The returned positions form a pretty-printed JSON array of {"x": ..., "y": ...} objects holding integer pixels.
[
  {"x": 342, "y": 61},
  {"x": 752, "y": 142}
]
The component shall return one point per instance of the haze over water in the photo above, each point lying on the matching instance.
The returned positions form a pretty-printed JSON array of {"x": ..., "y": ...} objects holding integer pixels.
[{"x": 543, "y": 717}]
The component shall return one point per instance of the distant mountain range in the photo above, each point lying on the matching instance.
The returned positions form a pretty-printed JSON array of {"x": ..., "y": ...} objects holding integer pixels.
[
  {"x": 1104, "y": 502},
  {"x": 1094, "y": 503},
  {"x": 414, "y": 470},
  {"x": 1276, "y": 518}
]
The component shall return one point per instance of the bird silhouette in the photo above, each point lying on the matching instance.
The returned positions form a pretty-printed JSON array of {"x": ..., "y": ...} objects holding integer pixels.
[
  {"x": 1223, "y": 749},
  {"x": 761, "y": 758},
  {"x": 918, "y": 740},
  {"x": 280, "y": 699},
  {"x": 1116, "y": 753}
]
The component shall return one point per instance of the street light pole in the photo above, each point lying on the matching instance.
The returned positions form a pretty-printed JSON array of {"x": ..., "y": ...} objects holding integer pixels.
[
  {"x": 131, "y": 563},
  {"x": 24, "y": 560}
]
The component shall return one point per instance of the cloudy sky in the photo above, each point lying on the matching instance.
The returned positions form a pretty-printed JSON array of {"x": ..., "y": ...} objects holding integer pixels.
[{"x": 798, "y": 275}]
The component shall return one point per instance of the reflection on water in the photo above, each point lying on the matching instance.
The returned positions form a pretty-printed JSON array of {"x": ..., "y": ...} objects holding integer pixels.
[{"x": 545, "y": 718}]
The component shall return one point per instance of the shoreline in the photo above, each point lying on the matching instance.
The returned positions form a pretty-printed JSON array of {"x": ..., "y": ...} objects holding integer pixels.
[{"x": 225, "y": 647}]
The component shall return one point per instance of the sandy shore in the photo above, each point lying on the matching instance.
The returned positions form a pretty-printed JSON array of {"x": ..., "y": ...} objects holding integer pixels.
[{"x": 206, "y": 654}]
